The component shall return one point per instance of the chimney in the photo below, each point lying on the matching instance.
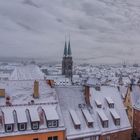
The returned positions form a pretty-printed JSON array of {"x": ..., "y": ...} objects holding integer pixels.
[
  {"x": 50, "y": 83},
  {"x": 8, "y": 103},
  {"x": 87, "y": 95},
  {"x": 2, "y": 92},
  {"x": 130, "y": 87},
  {"x": 36, "y": 89},
  {"x": 97, "y": 87}
]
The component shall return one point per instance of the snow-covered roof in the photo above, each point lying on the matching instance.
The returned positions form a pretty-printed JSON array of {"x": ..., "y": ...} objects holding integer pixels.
[
  {"x": 113, "y": 96},
  {"x": 75, "y": 117},
  {"x": 28, "y": 72},
  {"x": 88, "y": 116},
  {"x": 50, "y": 112},
  {"x": 28, "y": 114},
  {"x": 109, "y": 100},
  {"x": 21, "y": 92},
  {"x": 102, "y": 115},
  {"x": 8, "y": 116},
  {"x": 21, "y": 114},
  {"x": 123, "y": 91},
  {"x": 98, "y": 102},
  {"x": 34, "y": 116},
  {"x": 114, "y": 113},
  {"x": 70, "y": 97},
  {"x": 92, "y": 81}
]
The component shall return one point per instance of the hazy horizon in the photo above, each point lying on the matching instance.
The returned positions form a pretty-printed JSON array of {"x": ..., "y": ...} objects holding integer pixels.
[{"x": 101, "y": 31}]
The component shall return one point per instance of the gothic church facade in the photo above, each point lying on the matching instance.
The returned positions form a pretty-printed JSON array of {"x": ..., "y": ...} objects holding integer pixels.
[{"x": 67, "y": 62}]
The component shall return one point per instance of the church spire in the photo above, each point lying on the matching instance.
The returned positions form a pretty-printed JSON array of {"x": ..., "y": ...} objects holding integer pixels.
[
  {"x": 65, "y": 49},
  {"x": 69, "y": 49}
]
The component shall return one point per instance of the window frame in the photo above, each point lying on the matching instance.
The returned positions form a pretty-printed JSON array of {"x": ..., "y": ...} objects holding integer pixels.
[
  {"x": 8, "y": 125},
  {"x": 35, "y": 138},
  {"x": 53, "y": 138},
  {"x": 117, "y": 122},
  {"x": 20, "y": 125},
  {"x": 50, "y": 124},
  {"x": 33, "y": 125},
  {"x": 111, "y": 105},
  {"x": 105, "y": 124}
]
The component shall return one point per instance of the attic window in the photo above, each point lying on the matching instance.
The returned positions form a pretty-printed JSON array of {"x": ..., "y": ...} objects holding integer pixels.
[
  {"x": 75, "y": 119},
  {"x": 8, "y": 127},
  {"x": 22, "y": 126},
  {"x": 115, "y": 116},
  {"x": 103, "y": 118},
  {"x": 35, "y": 125},
  {"x": 52, "y": 117},
  {"x": 52, "y": 124},
  {"x": 97, "y": 87},
  {"x": 110, "y": 102},
  {"x": 98, "y": 103},
  {"x": 53, "y": 138},
  {"x": 117, "y": 121},
  {"x": 88, "y": 117},
  {"x": 105, "y": 124}
]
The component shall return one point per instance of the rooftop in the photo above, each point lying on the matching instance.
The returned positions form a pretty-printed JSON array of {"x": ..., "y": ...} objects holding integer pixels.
[
  {"x": 71, "y": 100},
  {"x": 21, "y": 92},
  {"x": 118, "y": 110},
  {"x": 30, "y": 113}
]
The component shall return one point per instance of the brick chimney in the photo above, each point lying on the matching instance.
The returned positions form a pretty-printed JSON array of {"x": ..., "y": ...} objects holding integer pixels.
[
  {"x": 50, "y": 83},
  {"x": 36, "y": 89},
  {"x": 87, "y": 95},
  {"x": 2, "y": 92}
]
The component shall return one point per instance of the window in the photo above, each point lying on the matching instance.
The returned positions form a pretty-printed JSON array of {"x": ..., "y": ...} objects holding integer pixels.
[
  {"x": 111, "y": 105},
  {"x": 35, "y": 125},
  {"x": 52, "y": 123},
  {"x": 117, "y": 121},
  {"x": 22, "y": 126},
  {"x": 9, "y": 128},
  {"x": 105, "y": 124},
  {"x": 35, "y": 139},
  {"x": 99, "y": 106},
  {"x": 93, "y": 138},
  {"x": 53, "y": 138},
  {"x": 107, "y": 138}
]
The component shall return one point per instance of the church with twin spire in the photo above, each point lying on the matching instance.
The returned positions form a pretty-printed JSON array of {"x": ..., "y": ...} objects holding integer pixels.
[{"x": 67, "y": 62}]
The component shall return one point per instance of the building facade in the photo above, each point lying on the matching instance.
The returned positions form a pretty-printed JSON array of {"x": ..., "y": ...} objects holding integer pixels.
[
  {"x": 67, "y": 62},
  {"x": 131, "y": 103}
]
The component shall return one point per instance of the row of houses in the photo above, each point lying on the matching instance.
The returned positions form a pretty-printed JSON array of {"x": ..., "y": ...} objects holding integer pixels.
[
  {"x": 35, "y": 110},
  {"x": 132, "y": 103}
]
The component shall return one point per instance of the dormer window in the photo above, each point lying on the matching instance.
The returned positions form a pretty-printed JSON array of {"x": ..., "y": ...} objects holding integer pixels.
[
  {"x": 8, "y": 127},
  {"x": 115, "y": 117},
  {"x": 110, "y": 102},
  {"x": 35, "y": 125},
  {"x": 105, "y": 124},
  {"x": 75, "y": 119},
  {"x": 98, "y": 103},
  {"x": 52, "y": 124},
  {"x": 111, "y": 105},
  {"x": 8, "y": 117},
  {"x": 22, "y": 126},
  {"x": 104, "y": 120},
  {"x": 21, "y": 118},
  {"x": 88, "y": 117},
  {"x": 34, "y": 118},
  {"x": 117, "y": 121},
  {"x": 52, "y": 118}
]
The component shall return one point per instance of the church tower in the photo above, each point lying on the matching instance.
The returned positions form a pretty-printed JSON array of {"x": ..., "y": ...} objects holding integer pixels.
[{"x": 67, "y": 62}]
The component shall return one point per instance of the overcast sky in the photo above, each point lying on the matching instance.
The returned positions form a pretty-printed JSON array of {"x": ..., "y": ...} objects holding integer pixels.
[{"x": 102, "y": 31}]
